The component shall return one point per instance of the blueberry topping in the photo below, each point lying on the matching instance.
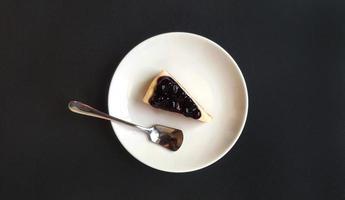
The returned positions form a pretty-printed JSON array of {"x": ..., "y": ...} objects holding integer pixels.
[{"x": 168, "y": 95}]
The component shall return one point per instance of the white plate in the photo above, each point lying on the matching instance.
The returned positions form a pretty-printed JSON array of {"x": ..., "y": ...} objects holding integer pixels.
[{"x": 208, "y": 72}]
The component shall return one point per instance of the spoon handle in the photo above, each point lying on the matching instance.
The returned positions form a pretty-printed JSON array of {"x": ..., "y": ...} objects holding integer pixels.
[{"x": 84, "y": 109}]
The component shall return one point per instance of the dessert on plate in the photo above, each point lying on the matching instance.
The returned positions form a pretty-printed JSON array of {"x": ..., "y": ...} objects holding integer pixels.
[{"x": 166, "y": 93}]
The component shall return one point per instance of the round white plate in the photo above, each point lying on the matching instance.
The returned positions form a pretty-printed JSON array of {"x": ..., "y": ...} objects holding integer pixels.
[{"x": 208, "y": 73}]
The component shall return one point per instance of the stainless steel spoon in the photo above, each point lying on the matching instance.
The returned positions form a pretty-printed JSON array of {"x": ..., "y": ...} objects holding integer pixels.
[{"x": 167, "y": 137}]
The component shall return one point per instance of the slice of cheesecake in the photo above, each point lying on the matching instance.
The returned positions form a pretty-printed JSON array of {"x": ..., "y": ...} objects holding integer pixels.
[{"x": 166, "y": 93}]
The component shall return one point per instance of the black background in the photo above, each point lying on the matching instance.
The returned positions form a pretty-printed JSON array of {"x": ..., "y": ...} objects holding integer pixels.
[{"x": 290, "y": 52}]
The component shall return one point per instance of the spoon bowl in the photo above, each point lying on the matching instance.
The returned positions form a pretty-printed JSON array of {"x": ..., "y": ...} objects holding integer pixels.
[{"x": 170, "y": 138}]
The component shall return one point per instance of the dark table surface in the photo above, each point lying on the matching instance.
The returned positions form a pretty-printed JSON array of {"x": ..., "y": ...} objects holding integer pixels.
[{"x": 292, "y": 54}]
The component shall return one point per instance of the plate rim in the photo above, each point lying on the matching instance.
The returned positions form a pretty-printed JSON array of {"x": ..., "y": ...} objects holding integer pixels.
[{"x": 220, "y": 156}]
